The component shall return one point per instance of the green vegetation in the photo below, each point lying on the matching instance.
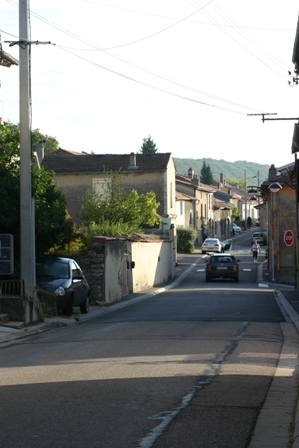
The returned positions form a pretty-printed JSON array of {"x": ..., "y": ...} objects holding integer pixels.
[
  {"x": 234, "y": 172},
  {"x": 116, "y": 211},
  {"x": 206, "y": 176},
  {"x": 50, "y": 143},
  {"x": 186, "y": 240},
  {"x": 148, "y": 146},
  {"x": 52, "y": 221}
]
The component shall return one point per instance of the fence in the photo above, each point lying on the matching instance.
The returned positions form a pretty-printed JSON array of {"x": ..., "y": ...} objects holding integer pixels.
[
  {"x": 12, "y": 299},
  {"x": 12, "y": 288}
]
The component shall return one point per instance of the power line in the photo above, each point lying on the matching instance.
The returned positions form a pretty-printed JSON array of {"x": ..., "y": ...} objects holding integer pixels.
[
  {"x": 150, "y": 86},
  {"x": 77, "y": 37}
]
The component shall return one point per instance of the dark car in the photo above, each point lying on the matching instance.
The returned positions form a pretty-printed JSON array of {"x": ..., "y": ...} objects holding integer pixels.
[
  {"x": 64, "y": 278},
  {"x": 222, "y": 266}
]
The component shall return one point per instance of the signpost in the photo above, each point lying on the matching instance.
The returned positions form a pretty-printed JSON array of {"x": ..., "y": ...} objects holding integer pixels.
[{"x": 288, "y": 238}]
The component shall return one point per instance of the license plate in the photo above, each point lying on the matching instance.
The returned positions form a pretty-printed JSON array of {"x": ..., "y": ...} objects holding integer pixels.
[{"x": 222, "y": 268}]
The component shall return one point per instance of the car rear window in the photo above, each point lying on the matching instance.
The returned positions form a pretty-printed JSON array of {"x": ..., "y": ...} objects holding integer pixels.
[{"x": 222, "y": 259}]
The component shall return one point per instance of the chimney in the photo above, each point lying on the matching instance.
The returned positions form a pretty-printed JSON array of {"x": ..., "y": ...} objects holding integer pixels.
[
  {"x": 132, "y": 159},
  {"x": 40, "y": 151},
  {"x": 190, "y": 173},
  {"x": 272, "y": 172},
  {"x": 221, "y": 178},
  {"x": 195, "y": 180}
]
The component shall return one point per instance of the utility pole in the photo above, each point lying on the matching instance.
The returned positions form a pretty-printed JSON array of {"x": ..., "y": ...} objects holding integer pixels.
[
  {"x": 26, "y": 200},
  {"x": 262, "y": 115}
]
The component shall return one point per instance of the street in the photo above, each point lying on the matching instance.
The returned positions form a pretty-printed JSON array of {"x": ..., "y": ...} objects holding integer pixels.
[{"x": 190, "y": 367}]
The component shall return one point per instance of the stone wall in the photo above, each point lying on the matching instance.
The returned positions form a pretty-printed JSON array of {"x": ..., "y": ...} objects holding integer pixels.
[{"x": 93, "y": 266}]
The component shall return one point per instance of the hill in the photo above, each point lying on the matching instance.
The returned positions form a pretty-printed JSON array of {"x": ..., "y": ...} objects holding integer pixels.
[{"x": 235, "y": 170}]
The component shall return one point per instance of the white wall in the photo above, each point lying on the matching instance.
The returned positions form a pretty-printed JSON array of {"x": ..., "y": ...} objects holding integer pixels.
[
  {"x": 114, "y": 272},
  {"x": 154, "y": 264}
]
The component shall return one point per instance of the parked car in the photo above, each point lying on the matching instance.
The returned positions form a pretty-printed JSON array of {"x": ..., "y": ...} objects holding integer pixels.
[
  {"x": 224, "y": 266},
  {"x": 259, "y": 237},
  {"x": 236, "y": 229},
  {"x": 64, "y": 278},
  {"x": 211, "y": 245},
  {"x": 257, "y": 222}
]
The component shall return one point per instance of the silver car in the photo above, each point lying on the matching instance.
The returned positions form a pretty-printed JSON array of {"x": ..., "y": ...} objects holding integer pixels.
[{"x": 236, "y": 229}]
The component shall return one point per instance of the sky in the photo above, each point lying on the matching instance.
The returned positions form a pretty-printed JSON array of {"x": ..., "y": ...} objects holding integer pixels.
[{"x": 191, "y": 74}]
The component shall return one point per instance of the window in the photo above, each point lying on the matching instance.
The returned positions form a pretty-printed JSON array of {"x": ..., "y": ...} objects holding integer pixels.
[
  {"x": 75, "y": 270},
  {"x": 99, "y": 185}
]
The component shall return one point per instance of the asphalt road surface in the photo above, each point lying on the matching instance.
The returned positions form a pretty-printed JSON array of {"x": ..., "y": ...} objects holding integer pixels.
[{"x": 190, "y": 367}]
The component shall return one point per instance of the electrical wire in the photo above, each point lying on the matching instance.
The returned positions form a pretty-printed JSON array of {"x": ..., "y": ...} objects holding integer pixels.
[
  {"x": 225, "y": 31},
  {"x": 192, "y": 21},
  {"x": 74, "y": 35},
  {"x": 126, "y": 62},
  {"x": 160, "y": 31},
  {"x": 250, "y": 40},
  {"x": 152, "y": 87}
]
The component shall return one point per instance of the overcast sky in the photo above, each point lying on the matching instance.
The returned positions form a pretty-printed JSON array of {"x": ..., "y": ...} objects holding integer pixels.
[{"x": 186, "y": 72}]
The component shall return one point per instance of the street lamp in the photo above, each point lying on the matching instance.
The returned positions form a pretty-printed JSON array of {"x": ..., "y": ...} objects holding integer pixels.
[
  {"x": 275, "y": 187},
  {"x": 255, "y": 194},
  {"x": 6, "y": 60},
  {"x": 253, "y": 190}
]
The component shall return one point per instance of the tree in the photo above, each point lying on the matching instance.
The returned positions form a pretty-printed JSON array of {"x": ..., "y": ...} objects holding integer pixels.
[
  {"x": 148, "y": 146},
  {"x": 52, "y": 223},
  {"x": 50, "y": 143},
  {"x": 117, "y": 209},
  {"x": 206, "y": 176}
]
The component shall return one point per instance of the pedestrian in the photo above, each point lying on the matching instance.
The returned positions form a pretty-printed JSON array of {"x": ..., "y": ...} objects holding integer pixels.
[{"x": 255, "y": 249}]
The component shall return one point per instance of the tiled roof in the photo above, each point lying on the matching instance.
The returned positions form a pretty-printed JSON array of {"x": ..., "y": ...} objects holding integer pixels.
[
  {"x": 183, "y": 197},
  {"x": 181, "y": 178},
  {"x": 218, "y": 204},
  {"x": 64, "y": 162}
]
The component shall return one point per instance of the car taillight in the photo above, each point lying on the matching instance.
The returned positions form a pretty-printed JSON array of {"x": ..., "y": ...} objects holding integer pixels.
[
  {"x": 209, "y": 266},
  {"x": 235, "y": 266}
]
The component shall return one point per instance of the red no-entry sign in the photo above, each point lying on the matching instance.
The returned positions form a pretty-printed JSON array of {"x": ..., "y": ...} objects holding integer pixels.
[{"x": 288, "y": 238}]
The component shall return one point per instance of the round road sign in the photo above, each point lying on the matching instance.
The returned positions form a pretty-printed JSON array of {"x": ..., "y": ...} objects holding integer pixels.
[{"x": 288, "y": 238}]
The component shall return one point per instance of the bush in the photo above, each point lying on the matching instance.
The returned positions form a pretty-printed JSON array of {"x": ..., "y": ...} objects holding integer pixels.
[{"x": 185, "y": 240}]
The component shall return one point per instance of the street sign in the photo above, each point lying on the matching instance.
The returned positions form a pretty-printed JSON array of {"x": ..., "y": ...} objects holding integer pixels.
[{"x": 288, "y": 238}]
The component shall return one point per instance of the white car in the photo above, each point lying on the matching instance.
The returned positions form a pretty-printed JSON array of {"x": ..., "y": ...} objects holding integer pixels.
[
  {"x": 236, "y": 229},
  {"x": 211, "y": 245}
]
